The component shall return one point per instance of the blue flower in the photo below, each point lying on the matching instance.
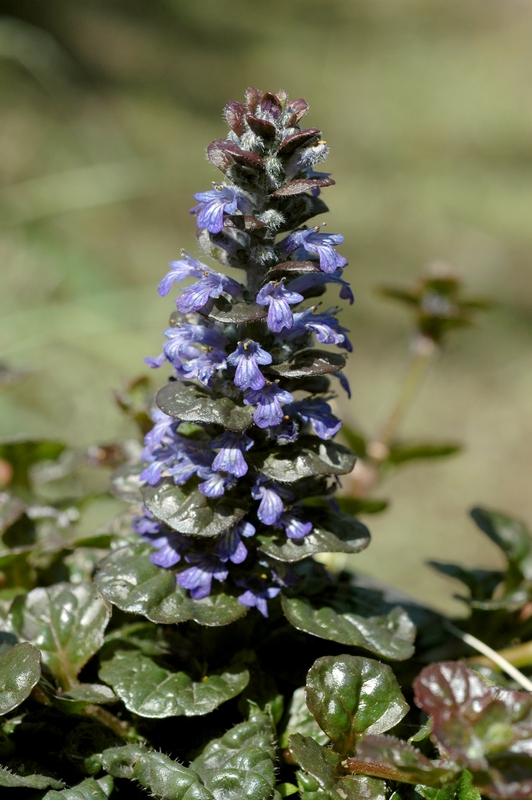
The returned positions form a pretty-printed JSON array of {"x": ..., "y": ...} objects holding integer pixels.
[
  {"x": 198, "y": 579},
  {"x": 213, "y": 284},
  {"x": 246, "y": 359},
  {"x": 325, "y": 326},
  {"x": 294, "y": 527},
  {"x": 217, "y": 202},
  {"x": 312, "y": 242},
  {"x": 318, "y": 412},
  {"x": 208, "y": 284},
  {"x": 278, "y": 299},
  {"x": 309, "y": 280},
  {"x": 257, "y": 596},
  {"x": 214, "y": 483},
  {"x": 169, "y": 544},
  {"x": 272, "y": 498},
  {"x": 230, "y": 546},
  {"x": 268, "y": 400},
  {"x": 230, "y": 458},
  {"x": 164, "y": 425},
  {"x": 187, "y": 267}
]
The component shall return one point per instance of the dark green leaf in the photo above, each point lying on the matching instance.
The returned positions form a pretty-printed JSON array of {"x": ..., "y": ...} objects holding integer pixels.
[
  {"x": 300, "y": 720},
  {"x": 394, "y": 760},
  {"x": 309, "y": 362},
  {"x": 189, "y": 403},
  {"x": 128, "y": 579},
  {"x": 237, "y": 313},
  {"x": 480, "y": 582},
  {"x": 22, "y": 454},
  {"x": 513, "y": 538},
  {"x": 11, "y": 509},
  {"x": 20, "y": 669},
  {"x": 193, "y": 514},
  {"x": 29, "y": 779},
  {"x": 125, "y": 483},
  {"x": 362, "y": 505},
  {"x": 84, "y": 694},
  {"x": 323, "y": 765},
  {"x": 152, "y": 691},
  {"x": 88, "y": 789},
  {"x": 389, "y": 636},
  {"x": 461, "y": 789},
  {"x": 309, "y": 457},
  {"x": 155, "y": 772},
  {"x": 333, "y": 533},
  {"x": 66, "y": 622},
  {"x": 241, "y": 764},
  {"x": 415, "y": 451},
  {"x": 350, "y": 696}
]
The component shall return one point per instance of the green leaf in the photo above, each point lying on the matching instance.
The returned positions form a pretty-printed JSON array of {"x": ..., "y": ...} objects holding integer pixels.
[
  {"x": 153, "y": 691},
  {"x": 125, "y": 483},
  {"x": 513, "y": 538},
  {"x": 241, "y": 764},
  {"x": 461, "y": 789},
  {"x": 20, "y": 669},
  {"x": 84, "y": 694},
  {"x": 11, "y": 509},
  {"x": 323, "y": 765},
  {"x": 389, "y": 636},
  {"x": 155, "y": 772},
  {"x": 192, "y": 514},
  {"x": 300, "y": 720},
  {"x": 415, "y": 451},
  {"x": 362, "y": 505},
  {"x": 88, "y": 789},
  {"x": 28, "y": 779},
  {"x": 309, "y": 362},
  {"x": 309, "y": 457},
  {"x": 22, "y": 454},
  {"x": 187, "y": 402},
  {"x": 129, "y": 580},
  {"x": 333, "y": 532},
  {"x": 350, "y": 696},
  {"x": 66, "y": 622}
]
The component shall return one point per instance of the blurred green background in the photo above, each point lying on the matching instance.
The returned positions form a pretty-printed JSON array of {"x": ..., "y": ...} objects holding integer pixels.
[{"x": 106, "y": 108}]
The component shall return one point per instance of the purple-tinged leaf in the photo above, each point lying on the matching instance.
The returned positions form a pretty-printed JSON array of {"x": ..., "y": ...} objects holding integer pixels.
[
  {"x": 224, "y": 154},
  {"x": 302, "y": 185},
  {"x": 465, "y": 708},
  {"x": 237, "y": 313},
  {"x": 186, "y": 401},
  {"x": 252, "y": 98},
  {"x": 261, "y": 127},
  {"x": 300, "y": 267},
  {"x": 299, "y": 107},
  {"x": 309, "y": 362},
  {"x": 235, "y": 115},
  {"x": 392, "y": 759},
  {"x": 298, "y": 139}
]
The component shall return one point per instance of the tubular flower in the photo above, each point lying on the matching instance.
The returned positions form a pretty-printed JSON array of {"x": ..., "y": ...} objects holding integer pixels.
[{"x": 243, "y": 434}]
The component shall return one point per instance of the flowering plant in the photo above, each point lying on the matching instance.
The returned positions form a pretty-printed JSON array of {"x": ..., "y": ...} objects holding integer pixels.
[{"x": 116, "y": 647}]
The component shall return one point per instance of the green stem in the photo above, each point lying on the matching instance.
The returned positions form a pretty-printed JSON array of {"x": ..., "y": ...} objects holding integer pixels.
[
  {"x": 379, "y": 448},
  {"x": 104, "y": 717}
]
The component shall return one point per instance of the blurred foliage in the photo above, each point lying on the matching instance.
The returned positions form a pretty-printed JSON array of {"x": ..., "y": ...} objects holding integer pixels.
[{"x": 103, "y": 107}]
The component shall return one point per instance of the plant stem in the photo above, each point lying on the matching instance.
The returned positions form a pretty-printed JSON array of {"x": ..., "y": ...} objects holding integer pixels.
[
  {"x": 380, "y": 447},
  {"x": 492, "y": 655},
  {"x": 104, "y": 717}
]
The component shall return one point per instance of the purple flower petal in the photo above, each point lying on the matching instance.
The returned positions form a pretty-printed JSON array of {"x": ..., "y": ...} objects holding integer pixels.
[
  {"x": 278, "y": 299},
  {"x": 268, "y": 400},
  {"x": 246, "y": 359},
  {"x": 230, "y": 458}
]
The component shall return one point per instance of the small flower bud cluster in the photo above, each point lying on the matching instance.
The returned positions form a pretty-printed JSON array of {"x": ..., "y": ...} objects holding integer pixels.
[{"x": 244, "y": 427}]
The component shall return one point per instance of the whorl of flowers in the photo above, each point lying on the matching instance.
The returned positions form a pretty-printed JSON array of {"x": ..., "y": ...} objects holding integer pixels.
[{"x": 242, "y": 433}]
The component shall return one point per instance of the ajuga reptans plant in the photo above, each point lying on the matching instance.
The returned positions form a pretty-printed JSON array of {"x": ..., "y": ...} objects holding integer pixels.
[{"x": 244, "y": 428}]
